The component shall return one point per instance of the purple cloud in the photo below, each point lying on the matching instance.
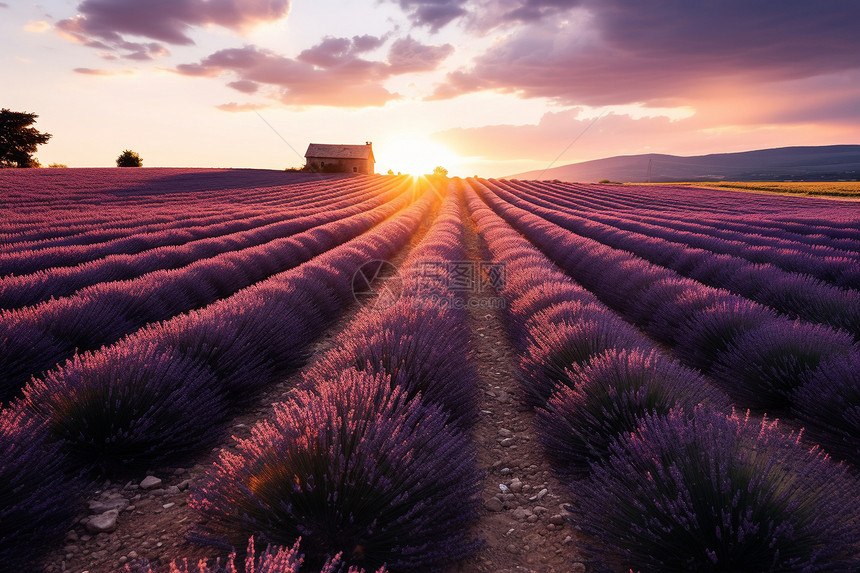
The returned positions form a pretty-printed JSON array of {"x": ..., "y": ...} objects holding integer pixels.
[
  {"x": 244, "y": 86},
  {"x": 409, "y": 55},
  {"x": 104, "y": 24},
  {"x": 433, "y": 14},
  {"x": 615, "y": 52},
  {"x": 331, "y": 73}
]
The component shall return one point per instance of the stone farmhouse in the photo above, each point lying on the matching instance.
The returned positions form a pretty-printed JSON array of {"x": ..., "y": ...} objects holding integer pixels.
[{"x": 335, "y": 158}]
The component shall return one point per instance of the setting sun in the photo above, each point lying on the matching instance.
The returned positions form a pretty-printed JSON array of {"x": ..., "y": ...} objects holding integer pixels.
[{"x": 414, "y": 155}]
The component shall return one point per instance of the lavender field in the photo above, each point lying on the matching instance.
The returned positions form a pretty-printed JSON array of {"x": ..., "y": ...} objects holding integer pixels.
[{"x": 687, "y": 358}]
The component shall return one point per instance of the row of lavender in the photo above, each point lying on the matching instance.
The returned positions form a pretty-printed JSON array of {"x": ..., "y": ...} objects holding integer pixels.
[
  {"x": 137, "y": 228},
  {"x": 768, "y": 215},
  {"x": 664, "y": 477},
  {"x": 26, "y": 289},
  {"x": 36, "y": 338},
  {"x": 371, "y": 457},
  {"x": 44, "y": 205},
  {"x": 794, "y": 294},
  {"x": 387, "y": 407},
  {"x": 832, "y": 260},
  {"x": 166, "y": 391},
  {"x": 765, "y": 361}
]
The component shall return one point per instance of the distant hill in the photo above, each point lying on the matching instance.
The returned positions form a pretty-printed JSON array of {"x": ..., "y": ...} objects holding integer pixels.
[{"x": 824, "y": 163}]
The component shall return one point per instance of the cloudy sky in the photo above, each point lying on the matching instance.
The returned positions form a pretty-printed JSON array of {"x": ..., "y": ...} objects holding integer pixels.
[{"x": 482, "y": 87}]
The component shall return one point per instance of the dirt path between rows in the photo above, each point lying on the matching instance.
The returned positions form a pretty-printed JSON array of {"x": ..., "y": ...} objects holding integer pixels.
[{"x": 522, "y": 519}]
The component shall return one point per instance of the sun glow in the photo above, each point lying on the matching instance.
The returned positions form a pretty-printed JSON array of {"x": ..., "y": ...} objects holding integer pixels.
[{"x": 413, "y": 155}]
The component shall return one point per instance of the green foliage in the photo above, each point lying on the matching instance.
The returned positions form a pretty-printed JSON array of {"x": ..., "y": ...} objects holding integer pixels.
[
  {"x": 18, "y": 141},
  {"x": 440, "y": 171},
  {"x": 58, "y": 165},
  {"x": 129, "y": 158}
]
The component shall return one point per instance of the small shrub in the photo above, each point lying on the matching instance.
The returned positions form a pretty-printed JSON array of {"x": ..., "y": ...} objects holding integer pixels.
[
  {"x": 422, "y": 350},
  {"x": 129, "y": 405},
  {"x": 711, "y": 330},
  {"x": 763, "y": 367},
  {"x": 829, "y": 406},
  {"x": 560, "y": 347},
  {"x": 710, "y": 492},
  {"x": 26, "y": 348},
  {"x": 38, "y": 501},
  {"x": 676, "y": 309},
  {"x": 608, "y": 397},
  {"x": 353, "y": 468},
  {"x": 129, "y": 158}
]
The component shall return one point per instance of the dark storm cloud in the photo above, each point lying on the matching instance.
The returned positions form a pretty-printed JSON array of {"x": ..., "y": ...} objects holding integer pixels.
[
  {"x": 105, "y": 24},
  {"x": 331, "y": 73},
  {"x": 615, "y": 52}
]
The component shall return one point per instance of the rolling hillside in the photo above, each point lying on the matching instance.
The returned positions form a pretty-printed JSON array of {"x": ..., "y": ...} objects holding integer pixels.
[{"x": 825, "y": 163}]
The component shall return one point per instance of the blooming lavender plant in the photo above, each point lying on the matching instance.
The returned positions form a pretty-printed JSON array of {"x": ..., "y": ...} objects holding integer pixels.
[
  {"x": 17, "y": 347},
  {"x": 711, "y": 330},
  {"x": 422, "y": 350},
  {"x": 608, "y": 397},
  {"x": 353, "y": 467},
  {"x": 764, "y": 366},
  {"x": 549, "y": 358},
  {"x": 713, "y": 492},
  {"x": 128, "y": 405},
  {"x": 829, "y": 406},
  {"x": 38, "y": 500}
]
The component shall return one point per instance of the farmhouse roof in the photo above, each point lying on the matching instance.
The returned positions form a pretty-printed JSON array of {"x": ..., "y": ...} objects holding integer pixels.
[{"x": 339, "y": 151}]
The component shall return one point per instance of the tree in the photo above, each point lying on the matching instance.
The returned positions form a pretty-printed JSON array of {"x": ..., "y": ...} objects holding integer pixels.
[
  {"x": 129, "y": 158},
  {"x": 18, "y": 140},
  {"x": 440, "y": 171}
]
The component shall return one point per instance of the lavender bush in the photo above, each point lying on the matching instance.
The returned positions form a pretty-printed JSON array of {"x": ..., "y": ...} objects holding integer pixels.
[
  {"x": 764, "y": 366},
  {"x": 422, "y": 350},
  {"x": 128, "y": 405},
  {"x": 711, "y": 330},
  {"x": 829, "y": 406},
  {"x": 38, "y": 500},
  {"x": 353, "y": 467},
  {"x": 17, "y": 346},
  {"x": 560, "y": 347},
  {"x": 710, "y": 492},
  {"x": 608, "y": 397}
]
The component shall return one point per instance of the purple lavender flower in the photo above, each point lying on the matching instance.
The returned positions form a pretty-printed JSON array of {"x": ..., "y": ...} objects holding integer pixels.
[
  {"x": 353, "y": 467},
  {"x": 608, "y": 397},
  {"x": 710, "y": 492},
  {"x": 129, "y": 404},
  {"x": 38, "y": 500},
  {"x": 763, "y": 367}
]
